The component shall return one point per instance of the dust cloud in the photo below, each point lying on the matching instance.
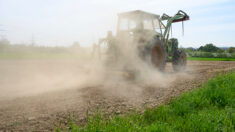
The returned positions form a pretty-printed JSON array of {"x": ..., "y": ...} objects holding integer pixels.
[
  {"x": 127, "y": 76},
  {"x": 21, "y": 78}
]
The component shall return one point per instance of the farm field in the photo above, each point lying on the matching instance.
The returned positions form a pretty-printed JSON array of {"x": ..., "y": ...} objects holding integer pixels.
[
  {"x": 117, "y": 66},
  {"x": 43, "y": 94}
]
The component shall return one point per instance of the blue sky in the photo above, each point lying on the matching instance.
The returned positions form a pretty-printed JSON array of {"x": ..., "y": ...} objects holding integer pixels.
[{"x": 61, "y": 22}]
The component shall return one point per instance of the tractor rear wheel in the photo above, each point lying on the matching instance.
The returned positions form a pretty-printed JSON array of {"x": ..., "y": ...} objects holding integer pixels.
[
  {"x": 158, "y": 54},
  {"x": 179, "y": 60}
]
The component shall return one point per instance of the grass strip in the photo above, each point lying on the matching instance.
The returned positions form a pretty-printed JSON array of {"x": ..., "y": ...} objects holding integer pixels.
[{"x": 210, "y": 59}]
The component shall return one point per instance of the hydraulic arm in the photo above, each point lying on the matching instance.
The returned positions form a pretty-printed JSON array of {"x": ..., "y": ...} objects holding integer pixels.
[{"x": 180, "y": 16}]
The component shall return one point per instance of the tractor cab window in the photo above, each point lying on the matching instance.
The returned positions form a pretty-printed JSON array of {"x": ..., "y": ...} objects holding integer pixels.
[
  {"x": 135, "y": 24},
  {"x": 132, "y": 25},
  {"x": 148, "y": 25},
  {"x": 124, "y": 24}
]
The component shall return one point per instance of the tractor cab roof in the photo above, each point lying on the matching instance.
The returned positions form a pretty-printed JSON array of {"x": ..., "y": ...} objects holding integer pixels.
[{"x": 138, "y": 14}]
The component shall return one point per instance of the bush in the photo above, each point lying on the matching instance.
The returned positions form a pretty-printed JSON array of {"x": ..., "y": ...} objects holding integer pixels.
[
  {"x": 190, "y": 54},
  {"x": 207, "y": 55},
  {"x": 210, "y": 55},
  {"x": 221, "y": 55},
  {"x": 219, "y": 50},
  {"x": 232, "y": 55},
  {"x": 201, "y": 54},
  {"x": 231, "y": 50}
]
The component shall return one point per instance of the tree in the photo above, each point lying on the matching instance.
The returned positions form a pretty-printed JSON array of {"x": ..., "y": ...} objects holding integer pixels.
[
  {"x": 200, "y": 48},
  {"x": 208, "y": 48},
  {"x": 231, "y": 50},
  {"x": 219, "y": 50},
  {"x": 190, "y": 49}
]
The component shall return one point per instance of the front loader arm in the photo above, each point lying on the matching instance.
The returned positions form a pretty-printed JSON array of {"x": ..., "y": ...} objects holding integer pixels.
[{"x": 180, "y": 16}]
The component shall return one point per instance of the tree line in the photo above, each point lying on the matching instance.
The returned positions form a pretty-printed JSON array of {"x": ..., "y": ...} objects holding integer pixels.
[
  {"x": 211, "y": 48},
  {"x": 211, "y": 51}
]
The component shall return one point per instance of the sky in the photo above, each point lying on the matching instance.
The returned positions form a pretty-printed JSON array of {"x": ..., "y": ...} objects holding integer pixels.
[{"x": 61, "y": 22}]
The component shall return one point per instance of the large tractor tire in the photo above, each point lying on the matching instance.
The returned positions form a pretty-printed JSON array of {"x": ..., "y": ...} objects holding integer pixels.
[
  {"x": 158, "y": 54},
  {"x": 179, "y": 60}
]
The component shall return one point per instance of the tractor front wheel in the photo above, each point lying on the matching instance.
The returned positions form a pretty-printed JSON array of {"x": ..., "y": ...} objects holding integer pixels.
[
  {"x": 179, "y": 60},
  {"x": 158, "y": 54}
]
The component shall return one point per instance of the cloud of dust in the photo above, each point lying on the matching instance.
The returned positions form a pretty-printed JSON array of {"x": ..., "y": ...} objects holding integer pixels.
[
  {"x": 31, "y": 77},
  {"x": 114, "y": 75}
]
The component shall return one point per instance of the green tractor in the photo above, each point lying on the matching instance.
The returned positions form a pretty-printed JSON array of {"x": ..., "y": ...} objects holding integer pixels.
[{"x": 149, "y": 36}]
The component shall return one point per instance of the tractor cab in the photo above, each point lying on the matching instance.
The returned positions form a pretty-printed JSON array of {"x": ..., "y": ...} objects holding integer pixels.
[
  {"x": 138, "y": 22},
  {"x": 145, "y": 33}
]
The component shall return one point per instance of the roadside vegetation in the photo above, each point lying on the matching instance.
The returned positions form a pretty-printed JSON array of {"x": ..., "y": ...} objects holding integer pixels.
[
  {"x": 209, "y": 59},
  {"x": 209, "y": 108},
  {"x": 210, "y": 51}
]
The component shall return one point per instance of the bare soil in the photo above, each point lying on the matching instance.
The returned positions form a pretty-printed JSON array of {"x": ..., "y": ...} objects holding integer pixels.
[{"x": 38, "y": 95}]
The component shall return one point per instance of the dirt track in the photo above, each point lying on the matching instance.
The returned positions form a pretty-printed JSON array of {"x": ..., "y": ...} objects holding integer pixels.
[{"x": 37, "y": 95}]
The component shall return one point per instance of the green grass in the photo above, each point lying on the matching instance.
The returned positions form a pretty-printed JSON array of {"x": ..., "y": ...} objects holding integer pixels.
[
  {"x": 207, "y": 109},
  {"x": 210, "y": 59}
]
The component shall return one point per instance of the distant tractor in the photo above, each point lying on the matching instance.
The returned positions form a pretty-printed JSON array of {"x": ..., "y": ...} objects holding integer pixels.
[{"x": 150, "y": 37}]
